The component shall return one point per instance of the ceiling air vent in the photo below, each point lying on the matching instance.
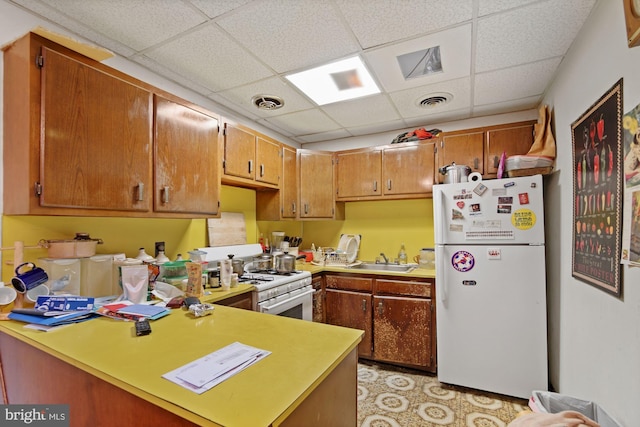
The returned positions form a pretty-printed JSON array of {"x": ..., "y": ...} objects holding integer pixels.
[
  {"x": 267, "y": 102},
  {"x": 434, "y": 100}
]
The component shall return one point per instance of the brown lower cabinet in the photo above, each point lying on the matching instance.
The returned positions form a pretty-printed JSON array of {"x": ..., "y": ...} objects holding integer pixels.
[{"x": 396, "y": 314}]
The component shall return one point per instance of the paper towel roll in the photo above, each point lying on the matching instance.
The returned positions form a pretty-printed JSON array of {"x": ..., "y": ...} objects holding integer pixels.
[{"x": 475, "y": 177}]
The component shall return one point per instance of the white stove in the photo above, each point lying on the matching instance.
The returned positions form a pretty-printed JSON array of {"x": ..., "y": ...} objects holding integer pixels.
[{"x": 289, "y": 295}]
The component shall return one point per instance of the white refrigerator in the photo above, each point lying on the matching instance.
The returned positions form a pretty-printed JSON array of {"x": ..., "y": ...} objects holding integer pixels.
[{"x": 491, "y": 286}]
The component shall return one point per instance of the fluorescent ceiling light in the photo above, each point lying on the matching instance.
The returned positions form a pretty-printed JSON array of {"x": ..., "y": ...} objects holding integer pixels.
[{"x": 338, "y": 81}]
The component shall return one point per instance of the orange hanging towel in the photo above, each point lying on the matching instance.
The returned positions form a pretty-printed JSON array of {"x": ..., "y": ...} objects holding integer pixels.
[{"x": 544, "y": 143}]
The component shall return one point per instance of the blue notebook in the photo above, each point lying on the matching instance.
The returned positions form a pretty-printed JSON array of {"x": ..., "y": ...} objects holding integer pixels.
[{"x": 63, "y": 319}]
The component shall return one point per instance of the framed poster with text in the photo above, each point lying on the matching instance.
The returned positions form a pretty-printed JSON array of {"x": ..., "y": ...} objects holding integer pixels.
[{"x": 597, "y": 193}]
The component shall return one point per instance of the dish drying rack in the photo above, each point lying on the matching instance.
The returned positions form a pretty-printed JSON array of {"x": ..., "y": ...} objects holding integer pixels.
[{"x": 331, "y": 258}]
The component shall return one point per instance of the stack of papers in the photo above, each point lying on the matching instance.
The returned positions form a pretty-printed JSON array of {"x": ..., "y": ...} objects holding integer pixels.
[
  {"x": 208, "y": 371},
  {"x": 125, "y": 310}
]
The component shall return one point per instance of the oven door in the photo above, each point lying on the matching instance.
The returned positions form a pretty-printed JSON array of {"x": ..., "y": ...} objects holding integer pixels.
[{"x": 297, "y": 304}]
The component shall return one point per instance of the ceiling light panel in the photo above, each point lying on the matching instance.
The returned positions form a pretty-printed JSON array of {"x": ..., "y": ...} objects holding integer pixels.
[{"x": 337, "y": 81}]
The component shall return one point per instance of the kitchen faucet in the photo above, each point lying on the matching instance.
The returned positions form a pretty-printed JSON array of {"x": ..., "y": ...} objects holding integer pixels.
[{"x": 386, "y": 260}]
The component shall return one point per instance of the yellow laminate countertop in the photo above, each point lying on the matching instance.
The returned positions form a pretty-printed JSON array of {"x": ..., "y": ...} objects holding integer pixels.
[
  {"x": 315, "y": 269},
  {"x": 302, "y": 355}
]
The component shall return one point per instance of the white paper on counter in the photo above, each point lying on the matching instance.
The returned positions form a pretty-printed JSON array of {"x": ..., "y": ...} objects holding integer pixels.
[{"x": 208, "y": 371}]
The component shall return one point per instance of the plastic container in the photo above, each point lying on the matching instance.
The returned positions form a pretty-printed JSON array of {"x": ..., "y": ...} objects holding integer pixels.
[
  {"x": 553, "y": 403},
  {"x": 64, "y": 275},
  {"x": 427, "y": 258}
]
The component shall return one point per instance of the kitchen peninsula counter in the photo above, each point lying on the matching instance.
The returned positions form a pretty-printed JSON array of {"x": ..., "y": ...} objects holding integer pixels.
[{"x": 109, "y": 376}]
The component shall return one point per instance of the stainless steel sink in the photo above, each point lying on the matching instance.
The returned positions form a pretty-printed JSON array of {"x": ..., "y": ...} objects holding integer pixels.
[{"x": 383, "y": 267}]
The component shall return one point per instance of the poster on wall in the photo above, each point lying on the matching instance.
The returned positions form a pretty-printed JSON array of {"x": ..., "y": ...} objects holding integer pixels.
[
  {"x": 631, "y": 223},
  {"x": 597, "y": 193}
]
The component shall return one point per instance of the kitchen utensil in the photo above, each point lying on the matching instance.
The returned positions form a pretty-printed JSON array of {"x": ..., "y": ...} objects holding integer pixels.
[
  {"x": 262, "y": 262},
  {"x": 237, "y": 265},
  {"x": 29, "y": 279},
  {"x": 81, "y": 246},
  {"x": 286, "y": 263},
  {"x": 455, "y": 173},
  {"x": 277, "y": 237}
]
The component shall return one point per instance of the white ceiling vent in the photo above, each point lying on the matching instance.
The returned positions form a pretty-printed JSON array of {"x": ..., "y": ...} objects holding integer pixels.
[
  {"x": 434, "y": 100},
  {"x": 267, "y": 102}
]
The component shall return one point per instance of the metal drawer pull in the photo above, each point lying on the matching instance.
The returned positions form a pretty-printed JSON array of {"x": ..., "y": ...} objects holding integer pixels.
[
  {"x": 375, "y": 185},
  {"x": 364, "y": 305},
  {"x": 293, "y": 207},
  {"x": 261, "y": 170},
  {"x": 250, "y": 166},
  {"x": 165, "y": 194},
  {"x": 140, "y": 195},
  {"x": 380, "y": 308},
  {"x": 388, "y": 184}
]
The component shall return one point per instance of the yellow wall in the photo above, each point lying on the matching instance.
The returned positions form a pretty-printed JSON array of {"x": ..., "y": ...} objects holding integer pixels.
[
  {"x": 383, "y": 225},
  {"x": 123, "y": 234}
]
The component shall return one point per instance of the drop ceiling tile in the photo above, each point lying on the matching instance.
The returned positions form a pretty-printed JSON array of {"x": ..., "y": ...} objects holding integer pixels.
[
  {"x": 538, "y": 31},
  {"x": 455, "y": 53},
  {"x": 514, "y": 83},
  {"x": 441, "y": 118},
  {"x": 376, "y": 22},
  {"x": 324, "y": 136},
  {"x": 208, "y": 57},
  {"x": 293, "y": 101},
  {"x": 136, "y": 24},
  {"x": 508, "y": 106},
  {"x": 487, "y": 7},
  {"x": 407, "y": 101},
  {"x": 217, "y": 8},
  {"x": 74, "y": 26},
  {"x": 378, "y": 127},
  {"x": 362, "y": 111},
  {"x": 290, "y": 35},
  {"x": 305, "y": 122},
  {"x": 169, "y": 74}
]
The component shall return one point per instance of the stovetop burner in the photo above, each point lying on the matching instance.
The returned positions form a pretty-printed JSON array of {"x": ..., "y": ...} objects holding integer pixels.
[{"x": 275, "y": 272}]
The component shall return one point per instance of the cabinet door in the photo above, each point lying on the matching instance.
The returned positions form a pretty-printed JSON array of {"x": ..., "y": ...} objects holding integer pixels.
[
  {"x": 408, "y": 169},
  {"x": 239, "y": 152},
  {"x": 318, "y": 299},
  {"x": 268, "y": 161},
  {"x": 186, "y": 160},
  {"x": 513, "y": 140},
  {"x": 358, "y": 174},
  {"x": 402, "y": 330},
  {"x": 352, "y": 310},
  {"x": 289, "y": 185},
  {"x": 96, "y": 138},
  {"x": 316, "y": 184},
  {"x": 463, "y": 149}
]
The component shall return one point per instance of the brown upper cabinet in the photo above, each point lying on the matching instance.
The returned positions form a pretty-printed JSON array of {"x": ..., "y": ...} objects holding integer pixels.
[
  {"x": 386, "y": 172},
  {"x": 186, "y": 179},
  {"x": 251, "y": 159},
  {"x": 481, "y": 148},
  {"x": 274, "y": 205},
  {"x": 79, "y": 138},
  {"x": 317, "y": 187}
]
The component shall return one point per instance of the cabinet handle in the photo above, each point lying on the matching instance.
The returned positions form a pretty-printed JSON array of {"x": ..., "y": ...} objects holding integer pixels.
[
  {"x": 496, "y": 162},
  {"x": 261, "y": 170},
  {"x": 250, "y": 166},
  {"x": 293, "y": 207},
  {"x": 380, "y": 309},
  {"x": 388, "y": 184},
  {"x": 375, "y": 185},
  {"x": 306, "y": 208},
  {"x": 140, "y": 195},
  {"x": 165, "y": 194},
  {"x": 475, "y": 163},
  {"x": 364, "y": 305}
]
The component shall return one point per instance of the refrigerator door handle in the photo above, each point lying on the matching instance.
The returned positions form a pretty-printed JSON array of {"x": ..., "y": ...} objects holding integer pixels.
[
  {"x": 440, "y": 231},
  {"x": 441, "y": 281}
]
